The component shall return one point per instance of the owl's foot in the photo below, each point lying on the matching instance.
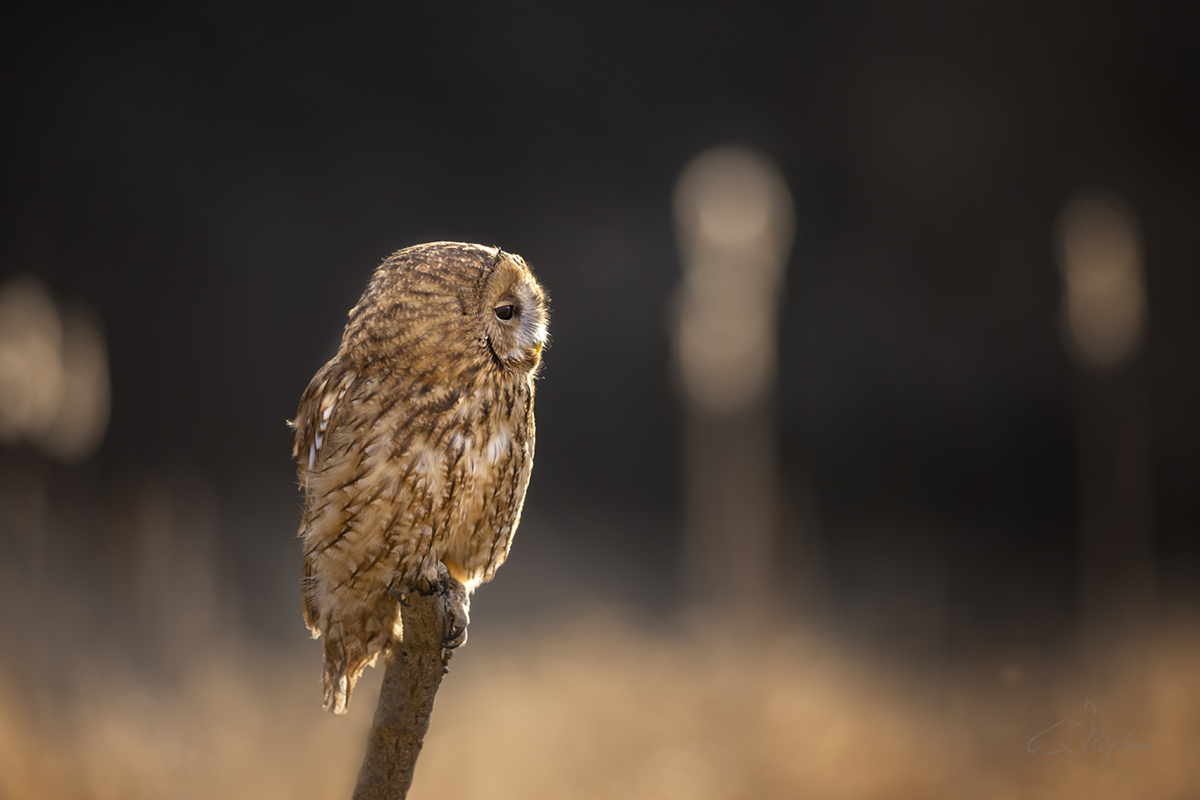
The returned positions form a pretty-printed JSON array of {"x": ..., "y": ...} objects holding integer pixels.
[
  {"x": 458, "y": 608},
  {"x": 458, "y": 603}
]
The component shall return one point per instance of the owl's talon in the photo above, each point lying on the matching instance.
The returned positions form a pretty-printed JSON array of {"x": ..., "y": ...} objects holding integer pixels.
[
  {"x": 456, "y": 638},
  {"x": 399, "y": 595}
]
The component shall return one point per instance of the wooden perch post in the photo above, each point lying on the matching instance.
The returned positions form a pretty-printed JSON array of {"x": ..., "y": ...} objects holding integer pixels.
[{"x": 414, "y": 671}]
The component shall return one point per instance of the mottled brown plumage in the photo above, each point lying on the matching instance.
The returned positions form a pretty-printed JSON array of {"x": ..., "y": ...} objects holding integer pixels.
[{"x": 415, "y": 443}]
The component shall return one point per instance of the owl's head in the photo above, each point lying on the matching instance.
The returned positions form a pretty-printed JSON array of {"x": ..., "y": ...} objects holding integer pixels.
[
  {"x": 513, "y": 315},
  {"x": 445, "y": 309}
]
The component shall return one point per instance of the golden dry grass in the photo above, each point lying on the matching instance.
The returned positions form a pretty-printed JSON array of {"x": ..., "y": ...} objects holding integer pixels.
[{"x": 610, "y": 712}]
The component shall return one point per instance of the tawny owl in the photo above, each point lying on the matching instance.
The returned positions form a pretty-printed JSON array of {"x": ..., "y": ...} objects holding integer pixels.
[{"x": 415, "y": 443}]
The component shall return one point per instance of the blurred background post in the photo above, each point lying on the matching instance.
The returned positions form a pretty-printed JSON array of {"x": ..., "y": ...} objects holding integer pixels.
[
  {"x": 54, "y": 405},
  {"x": 734, "y": 224},
  {"x": 1104, "y": 322}
]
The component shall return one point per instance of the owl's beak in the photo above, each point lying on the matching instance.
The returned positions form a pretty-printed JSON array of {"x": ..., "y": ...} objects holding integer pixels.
[{"x": 538, "y": 350}]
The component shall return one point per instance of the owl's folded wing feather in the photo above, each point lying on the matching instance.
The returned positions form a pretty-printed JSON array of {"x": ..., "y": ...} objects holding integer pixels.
[
  {"x": 318, "y": 412},
  {"x": 319, "y": 408}
]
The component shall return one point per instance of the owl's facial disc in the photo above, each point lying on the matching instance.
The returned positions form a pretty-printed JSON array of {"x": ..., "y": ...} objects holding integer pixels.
[{"x": 514, "y": 314}]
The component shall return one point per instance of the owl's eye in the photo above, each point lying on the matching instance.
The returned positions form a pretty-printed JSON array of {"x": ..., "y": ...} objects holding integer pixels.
[{"x": 505, "y": 312}]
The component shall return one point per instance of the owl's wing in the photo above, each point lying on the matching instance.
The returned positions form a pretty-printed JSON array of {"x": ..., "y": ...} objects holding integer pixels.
[
  {"x": 318, "y": 412},
  {"x": 319, "y": 409}
]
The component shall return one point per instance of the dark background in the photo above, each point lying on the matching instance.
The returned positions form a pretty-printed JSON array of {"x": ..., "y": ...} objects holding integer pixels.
[{"x": 218, "y": 181}]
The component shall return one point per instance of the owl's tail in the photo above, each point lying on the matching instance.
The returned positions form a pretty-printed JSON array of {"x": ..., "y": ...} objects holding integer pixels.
[
  {"x": 338, "y": 688},
  {"x": 352, "y": 645}
]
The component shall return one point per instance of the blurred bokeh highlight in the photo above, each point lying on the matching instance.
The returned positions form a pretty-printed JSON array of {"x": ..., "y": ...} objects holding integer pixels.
[{"x": 869, "y": 448}]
